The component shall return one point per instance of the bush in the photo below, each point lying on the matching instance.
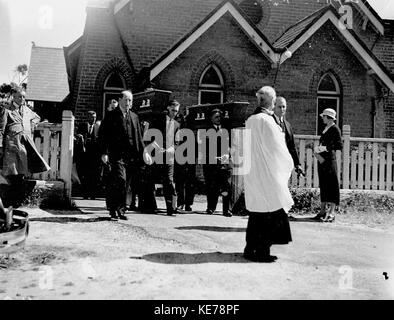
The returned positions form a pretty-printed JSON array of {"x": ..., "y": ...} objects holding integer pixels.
[
  {"x": 46, "y": 198},
  {"x": 306, "y": 201},
  {"x": 367, "y": 203}
]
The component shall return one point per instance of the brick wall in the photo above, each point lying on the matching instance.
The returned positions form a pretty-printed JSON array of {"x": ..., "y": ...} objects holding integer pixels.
[
  {"x": 299, "y": 77},
  {"x": 101, "y": 54},
  {"x": 246, "y": 70},
  {"x": 243, "y": 66}
]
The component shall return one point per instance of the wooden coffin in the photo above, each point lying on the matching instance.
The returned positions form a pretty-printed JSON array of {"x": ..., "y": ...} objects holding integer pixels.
[
  {"x": 235, "y": 113},
  {"x": 150, "y": 103}
]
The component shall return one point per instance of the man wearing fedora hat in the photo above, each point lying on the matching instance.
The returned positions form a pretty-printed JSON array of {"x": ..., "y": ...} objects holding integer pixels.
[{"x": 330, "y": 141}]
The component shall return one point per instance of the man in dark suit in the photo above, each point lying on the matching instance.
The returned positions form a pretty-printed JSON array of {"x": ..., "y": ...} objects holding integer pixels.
[
  {"x": 217, "y": 170},
  {"x": 185, "y": 173},
  {"x": 121, "y": 143},
  {"x": 89, "y": 163},
  {"x": 169, "y": 128},
  {"x": 279, "y": 116}
]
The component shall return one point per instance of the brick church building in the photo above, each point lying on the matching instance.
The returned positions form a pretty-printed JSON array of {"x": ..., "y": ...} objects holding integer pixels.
[{"x": 317, "y": 54}]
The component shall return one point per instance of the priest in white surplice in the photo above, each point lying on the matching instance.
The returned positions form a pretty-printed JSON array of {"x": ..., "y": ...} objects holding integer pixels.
[{"x": 267, "y": 196}]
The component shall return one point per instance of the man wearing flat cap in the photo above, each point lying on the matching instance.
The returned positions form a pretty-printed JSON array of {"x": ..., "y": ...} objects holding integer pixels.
[
  {"x": 217, "y": 170},
  {"x": 89, "y": 164}
]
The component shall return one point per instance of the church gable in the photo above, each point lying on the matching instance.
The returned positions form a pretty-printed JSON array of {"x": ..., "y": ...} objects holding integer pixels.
[{"x": 225, "y": 50}]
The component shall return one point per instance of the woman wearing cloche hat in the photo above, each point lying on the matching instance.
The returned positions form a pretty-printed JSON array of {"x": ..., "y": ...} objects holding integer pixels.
[{"x": 330, "y": 141}]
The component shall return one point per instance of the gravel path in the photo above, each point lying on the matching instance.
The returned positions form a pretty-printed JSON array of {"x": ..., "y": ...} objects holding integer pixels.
[{"x": 82, "y": 255}]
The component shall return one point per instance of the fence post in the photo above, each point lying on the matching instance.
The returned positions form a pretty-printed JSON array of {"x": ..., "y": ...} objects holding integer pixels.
[
  {"x": 67, "y": 148},
  {"x": 346, "y": 156}
]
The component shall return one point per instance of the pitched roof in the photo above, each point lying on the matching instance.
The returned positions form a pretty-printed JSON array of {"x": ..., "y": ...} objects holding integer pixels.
[
  {"x": 292, "y": 33},
  {"x": 48, "y": 80},
  {"x": 227, "y": 6},
  {"x": 329, "y": 14}
]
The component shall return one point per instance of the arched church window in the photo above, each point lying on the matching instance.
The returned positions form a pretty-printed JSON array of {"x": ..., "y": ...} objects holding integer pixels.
[
  {"x": 211, "y": 86},
  {"x": 114, "y": 84},
  {"x": 328, "y": 96}
]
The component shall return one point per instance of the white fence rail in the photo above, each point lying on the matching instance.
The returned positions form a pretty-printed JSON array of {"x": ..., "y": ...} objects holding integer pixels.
[
  {"x": 364, "y": 163},
  {"x": 55, "y": 142}
]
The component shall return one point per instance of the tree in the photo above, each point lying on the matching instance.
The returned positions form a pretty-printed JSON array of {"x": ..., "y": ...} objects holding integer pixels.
[
  {"x": 5, "y": 89},
  {"x": 21, "y": 72}
]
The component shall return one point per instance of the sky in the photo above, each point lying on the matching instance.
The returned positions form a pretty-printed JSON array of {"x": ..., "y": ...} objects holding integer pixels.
[{"x": 58, "y": 23}]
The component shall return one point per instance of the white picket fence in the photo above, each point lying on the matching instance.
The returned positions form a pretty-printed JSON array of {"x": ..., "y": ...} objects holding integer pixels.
[
  {"x": 364, "y": 163},
  {"x": 55, "y": 142}
]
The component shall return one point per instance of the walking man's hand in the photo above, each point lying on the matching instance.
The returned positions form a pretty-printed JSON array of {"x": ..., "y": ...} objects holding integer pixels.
[{"x": 104, "y": 158}]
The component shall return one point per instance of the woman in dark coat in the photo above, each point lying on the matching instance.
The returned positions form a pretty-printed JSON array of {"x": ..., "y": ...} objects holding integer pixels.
[{"x": 330, "y": 141}]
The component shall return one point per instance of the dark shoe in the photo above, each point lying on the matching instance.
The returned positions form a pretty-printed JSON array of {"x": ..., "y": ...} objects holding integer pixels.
[
  {"x": 209, "y": 211},
  {"x": 255, "y": 257},
  {"x": 121, "y": 214},
  {"x": 228, "y": 214},
  {"x": 171, "y": 212},
  {"x": 132, "y": 208},
  {"x": 113, "y": 215},
  {"x": 188, "y": 209},
  {"x": 178, "y": 208}
]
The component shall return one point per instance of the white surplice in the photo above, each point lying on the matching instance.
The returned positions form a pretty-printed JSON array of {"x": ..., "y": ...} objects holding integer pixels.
[{"x": 266, "y": 184}]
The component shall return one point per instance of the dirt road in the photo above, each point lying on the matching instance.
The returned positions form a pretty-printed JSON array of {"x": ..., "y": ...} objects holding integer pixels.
[{"x": 73, "y": 255}]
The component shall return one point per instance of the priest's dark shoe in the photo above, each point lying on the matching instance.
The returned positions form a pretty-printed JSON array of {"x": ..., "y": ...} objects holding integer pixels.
[{"x": 113, "y": 215}]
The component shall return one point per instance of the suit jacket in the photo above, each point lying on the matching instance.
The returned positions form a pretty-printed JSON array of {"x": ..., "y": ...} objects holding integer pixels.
[
  {"x": 289, "y": 137},
  {"x": 89, "y": 138},
  {"x": 219, "y": 151},
  {"x": 159, "y": 122},
  {"x": 121, "y": 137}
]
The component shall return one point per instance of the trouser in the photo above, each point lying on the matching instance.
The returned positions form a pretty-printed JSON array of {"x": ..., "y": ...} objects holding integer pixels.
[
  {"x": 169, "y": 190},
  {"x": 90, "y": 175},
  {"x": 133, "y": 186},
  {"x": 146, "y": 199},
  {"x": 117, "y": 183},
  {"x": 217, "y": 180},
  {"x": 185, "y": 176}
]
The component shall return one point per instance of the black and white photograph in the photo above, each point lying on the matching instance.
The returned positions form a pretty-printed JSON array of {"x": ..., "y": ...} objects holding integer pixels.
[{"x": 196, "y": 154}]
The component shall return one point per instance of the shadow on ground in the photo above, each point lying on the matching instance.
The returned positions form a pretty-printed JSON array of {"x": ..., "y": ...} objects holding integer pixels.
[
  {"x": 70, "y": 219},
  {"x": 213, "y": 228},
  {"x": 304, "y": 219},
  {"x": 195, "y": 258}
]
